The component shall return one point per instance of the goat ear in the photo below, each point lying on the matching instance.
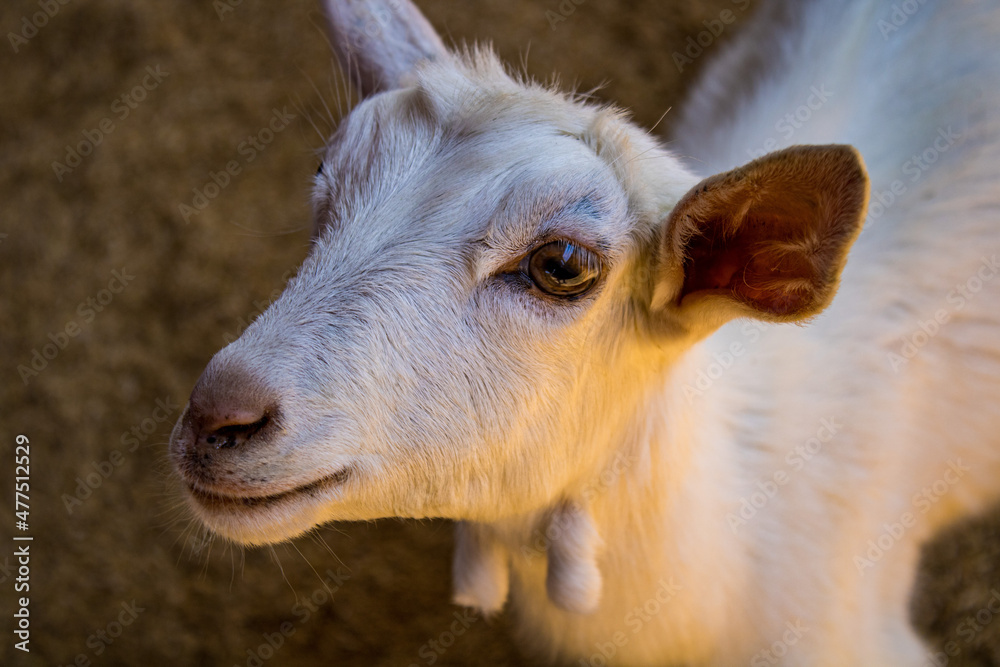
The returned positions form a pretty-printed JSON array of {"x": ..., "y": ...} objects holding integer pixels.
[
  {"x": 767, "y": 240},
  {"x": 378, "y": 42}
]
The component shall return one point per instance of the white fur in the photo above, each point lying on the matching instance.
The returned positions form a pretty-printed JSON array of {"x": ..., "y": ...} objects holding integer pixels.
[{"x": 581, "y": 443}]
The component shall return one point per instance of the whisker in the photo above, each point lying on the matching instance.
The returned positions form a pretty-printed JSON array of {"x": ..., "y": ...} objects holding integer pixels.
[
  {"x": 274, "y": 555},
  {"x": 660, "y": 120}
]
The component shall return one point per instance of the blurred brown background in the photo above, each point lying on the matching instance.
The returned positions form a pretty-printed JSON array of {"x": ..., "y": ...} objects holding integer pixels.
[{"x": 126, "y": 347}]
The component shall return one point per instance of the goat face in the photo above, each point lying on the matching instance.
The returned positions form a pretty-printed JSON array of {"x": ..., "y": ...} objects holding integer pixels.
[
  {"x": 466, "y": 286},
  {"x": 496, "y": 280}
]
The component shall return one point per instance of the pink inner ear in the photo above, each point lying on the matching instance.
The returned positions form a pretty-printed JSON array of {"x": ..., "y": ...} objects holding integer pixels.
[
  {"x": 717, "y": 274},
  {"x": 774, "y": 234},
  {"x": 769, "y": 264}
]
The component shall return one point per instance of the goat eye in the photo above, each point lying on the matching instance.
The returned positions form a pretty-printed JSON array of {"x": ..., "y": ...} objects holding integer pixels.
[{"x": 562, "y": 268}]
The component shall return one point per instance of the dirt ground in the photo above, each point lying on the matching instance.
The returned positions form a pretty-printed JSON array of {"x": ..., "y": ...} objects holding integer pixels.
[{"x": 115, "y": 296}]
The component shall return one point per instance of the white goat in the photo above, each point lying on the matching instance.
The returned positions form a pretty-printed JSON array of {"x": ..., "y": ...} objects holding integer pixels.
[{"x": 515, "y": 315}]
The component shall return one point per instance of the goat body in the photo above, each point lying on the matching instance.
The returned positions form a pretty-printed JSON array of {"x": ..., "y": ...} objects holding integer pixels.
[{"x": 524, "y": 313}]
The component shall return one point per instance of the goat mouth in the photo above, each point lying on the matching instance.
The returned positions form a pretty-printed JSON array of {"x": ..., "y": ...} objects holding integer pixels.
[{"x": 219, "y": 502}]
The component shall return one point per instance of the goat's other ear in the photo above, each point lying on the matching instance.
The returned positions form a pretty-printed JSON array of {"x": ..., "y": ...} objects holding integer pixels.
[
  {"x": 767, "y": 240},
  {"x": 378, "y": 42}
]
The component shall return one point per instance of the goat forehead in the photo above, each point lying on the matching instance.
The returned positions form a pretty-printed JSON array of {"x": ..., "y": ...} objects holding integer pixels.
[{"x": 396, "y": 179}]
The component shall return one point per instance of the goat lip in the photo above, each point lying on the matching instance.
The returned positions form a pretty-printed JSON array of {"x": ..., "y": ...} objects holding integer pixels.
[{"x": 223, "y": 501}]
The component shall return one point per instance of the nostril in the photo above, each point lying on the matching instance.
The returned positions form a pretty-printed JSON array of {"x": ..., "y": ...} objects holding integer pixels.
[
  {"x": 232, "y": 434},
  {"x": 229, "y": 408}
]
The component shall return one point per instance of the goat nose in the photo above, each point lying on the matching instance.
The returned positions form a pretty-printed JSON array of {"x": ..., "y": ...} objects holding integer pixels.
[
  {"x": 233, "y": 429},
  {"x": 228, "y": 409}
]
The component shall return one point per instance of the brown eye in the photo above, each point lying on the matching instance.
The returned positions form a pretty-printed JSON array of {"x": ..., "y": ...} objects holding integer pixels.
[{"x": 562, "y": 268}]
